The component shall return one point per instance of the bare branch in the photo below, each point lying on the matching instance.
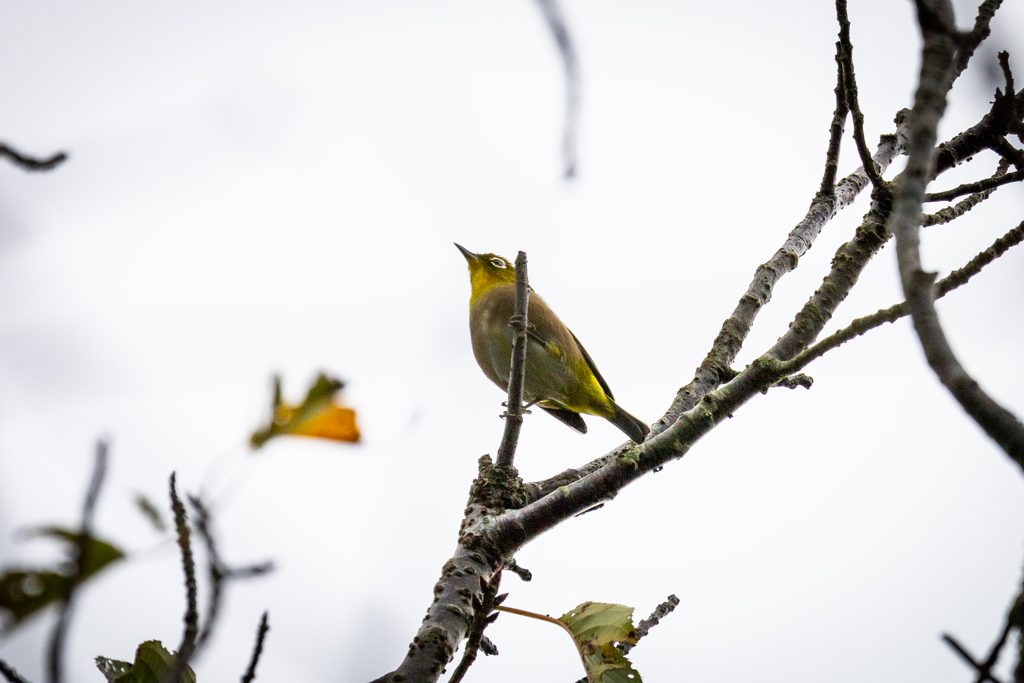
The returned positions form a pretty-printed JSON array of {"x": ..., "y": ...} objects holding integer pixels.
[
  {"x": 257, "y": 650},
  {"x": 55, "y": 656},
  {"x": 215, "y": 569},
  {"x": 482, "y": 618},
  {"x": 716, "y": 365},
  {"x": 977, "y": 35},
  {"x": 645, "y": 626},
  {"x": 929, "y": 104},
  {"x": 951, "y": 213},
  {"x": 10, "y": 674},
  {"x": 191, "y": 619},
  {"x": 966, "y": 656},
  {"x": 835, "y": 139},
  {"x": 850, "y": 84},
  {"x": 971, "y": 188},
  {"x": 519, "y": 323},
  {"x": 556, "y": 22},
  {"x": 861, "y": 326},
  {"x": 31, "y": 163}
]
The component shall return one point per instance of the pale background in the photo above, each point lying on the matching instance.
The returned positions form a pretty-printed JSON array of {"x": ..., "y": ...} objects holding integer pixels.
[{"x": 266, "y": 186}]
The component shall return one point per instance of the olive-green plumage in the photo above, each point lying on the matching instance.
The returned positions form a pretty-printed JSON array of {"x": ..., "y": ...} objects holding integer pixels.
[{"x": 560, "y": 377}]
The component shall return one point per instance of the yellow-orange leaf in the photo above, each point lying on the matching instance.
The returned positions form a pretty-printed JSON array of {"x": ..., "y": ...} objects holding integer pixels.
[
  {"x": 321, "y": 415},
  {"x": 331, "y": 421}
]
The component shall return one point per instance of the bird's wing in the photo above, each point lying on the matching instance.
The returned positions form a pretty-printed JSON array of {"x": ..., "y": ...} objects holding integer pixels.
[
  {"x": 568, "y": 417},
  {"x": 593, "y": 368}
]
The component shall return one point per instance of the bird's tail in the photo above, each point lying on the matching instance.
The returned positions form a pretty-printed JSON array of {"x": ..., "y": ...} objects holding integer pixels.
[{"x": 632, "y": 427}]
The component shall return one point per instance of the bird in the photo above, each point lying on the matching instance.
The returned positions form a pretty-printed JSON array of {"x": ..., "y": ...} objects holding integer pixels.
[{"x": 561, "y": 377}]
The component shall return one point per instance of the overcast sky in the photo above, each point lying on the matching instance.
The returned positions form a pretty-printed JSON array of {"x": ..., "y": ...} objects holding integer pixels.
[{"x": 266, "y": 187}]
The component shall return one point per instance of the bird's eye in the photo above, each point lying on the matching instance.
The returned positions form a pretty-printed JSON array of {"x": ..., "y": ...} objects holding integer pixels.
[{"x": 497, "y": 263}]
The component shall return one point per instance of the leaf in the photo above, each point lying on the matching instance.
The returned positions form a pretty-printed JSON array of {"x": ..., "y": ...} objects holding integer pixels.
[
  {"x": 151, "y": 512},
  {"x": 24, "y": 591},
  {"x": 153, "y": 664},
  {"x": 320, "y": 415},
  {"x": 596, "y": 627}
]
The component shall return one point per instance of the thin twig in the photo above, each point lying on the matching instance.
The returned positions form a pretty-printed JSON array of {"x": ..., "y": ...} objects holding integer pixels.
[
  {"x": 659, "y": 613},
  {"x": 981, "y": 31},
  {"x": 519, "y": 323},
  {"x": 483, "y": 607},
  {"x": 951, "y": 213},
  {"x": 835, "y": 140},
  {"x": 215, "y": 570},
  {"x": 850, "y": 84},
  {"x": 55, "y": 657},
  {"x": 966, "y": 656},
  {"x": 10, "y": 674},
  {"x": 861, "y": 326},
  {"x": 191, "y": 619},
  {"x": 929, "y": 105},
  {"x": 257, "y": 650},
  {"x": 985, "y": 672},
  {"x": 556, "y": 22},
  {"x": 971, "y": 188},
  {"x": 31, "y": 163},
  {"x": 523, "y": 573}
]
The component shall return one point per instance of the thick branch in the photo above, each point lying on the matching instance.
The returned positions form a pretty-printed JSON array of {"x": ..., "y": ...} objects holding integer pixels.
[
  {"x": 716, "y": 365},
  {"x": 929, "y": 104}
]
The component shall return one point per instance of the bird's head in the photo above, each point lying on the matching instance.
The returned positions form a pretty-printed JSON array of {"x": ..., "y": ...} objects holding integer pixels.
[{"x": 486, "y": 271}]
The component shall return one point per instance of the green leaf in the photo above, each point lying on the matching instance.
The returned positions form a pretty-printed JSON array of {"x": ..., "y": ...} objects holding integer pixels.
[
  {"x": 24, "y": 591},
  {"x": 153, "y": 664},
  {"x": 150, "y": 511},
  {"x": 98, "y": 554},
  {"x": 596, "y": 627}
]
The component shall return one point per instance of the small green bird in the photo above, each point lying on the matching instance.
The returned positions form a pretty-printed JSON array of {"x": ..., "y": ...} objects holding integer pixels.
[{"x": 560, "y": 377}]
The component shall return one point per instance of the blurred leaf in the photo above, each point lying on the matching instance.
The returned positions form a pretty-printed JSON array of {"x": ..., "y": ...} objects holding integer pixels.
[
  {"x": 320, "y": 415},
  {"x": 98, "y": 555},
  {"x": 596, "y": 627},
  {"x": 153, "y": 664},
  {"x": 24, "y": 592},
  {"x": 151, "y": 512}
]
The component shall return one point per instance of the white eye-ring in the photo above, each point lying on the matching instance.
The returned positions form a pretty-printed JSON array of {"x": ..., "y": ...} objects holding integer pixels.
[{"x": 497, "y": 263}]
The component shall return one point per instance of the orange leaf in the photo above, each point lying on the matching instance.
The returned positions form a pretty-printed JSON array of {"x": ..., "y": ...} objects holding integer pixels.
[{"x": 321, "y": 415}]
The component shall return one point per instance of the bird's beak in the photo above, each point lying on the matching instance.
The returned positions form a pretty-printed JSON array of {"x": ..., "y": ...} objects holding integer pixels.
[{"x": 470, "y": 256}]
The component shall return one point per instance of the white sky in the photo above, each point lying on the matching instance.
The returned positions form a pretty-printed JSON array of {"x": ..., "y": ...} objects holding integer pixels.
[{"x": 258, "y": 187}]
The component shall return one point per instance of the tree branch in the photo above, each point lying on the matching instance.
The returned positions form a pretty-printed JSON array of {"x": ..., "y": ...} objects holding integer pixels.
[
  {"x": 257, "y": 650},
  {"x": 929, "y": 104},
  {"x": 560, "y": 31},
  {"x": 850, "y": 85},
  {"x": 10, "y": 674},
  {"x": 55, "y": 656},
  {"x": 645, "y": 625},
  {"x": 951, "y": 213},
  {"x": 863, "y": 325},
  {"x": 519, "y": 323},
  {"x": 188, "y": 637},
  {"x": 972, "y": 188},
  {"x": 31, "y": 163},
  {"x": 716, "y": 365}
]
